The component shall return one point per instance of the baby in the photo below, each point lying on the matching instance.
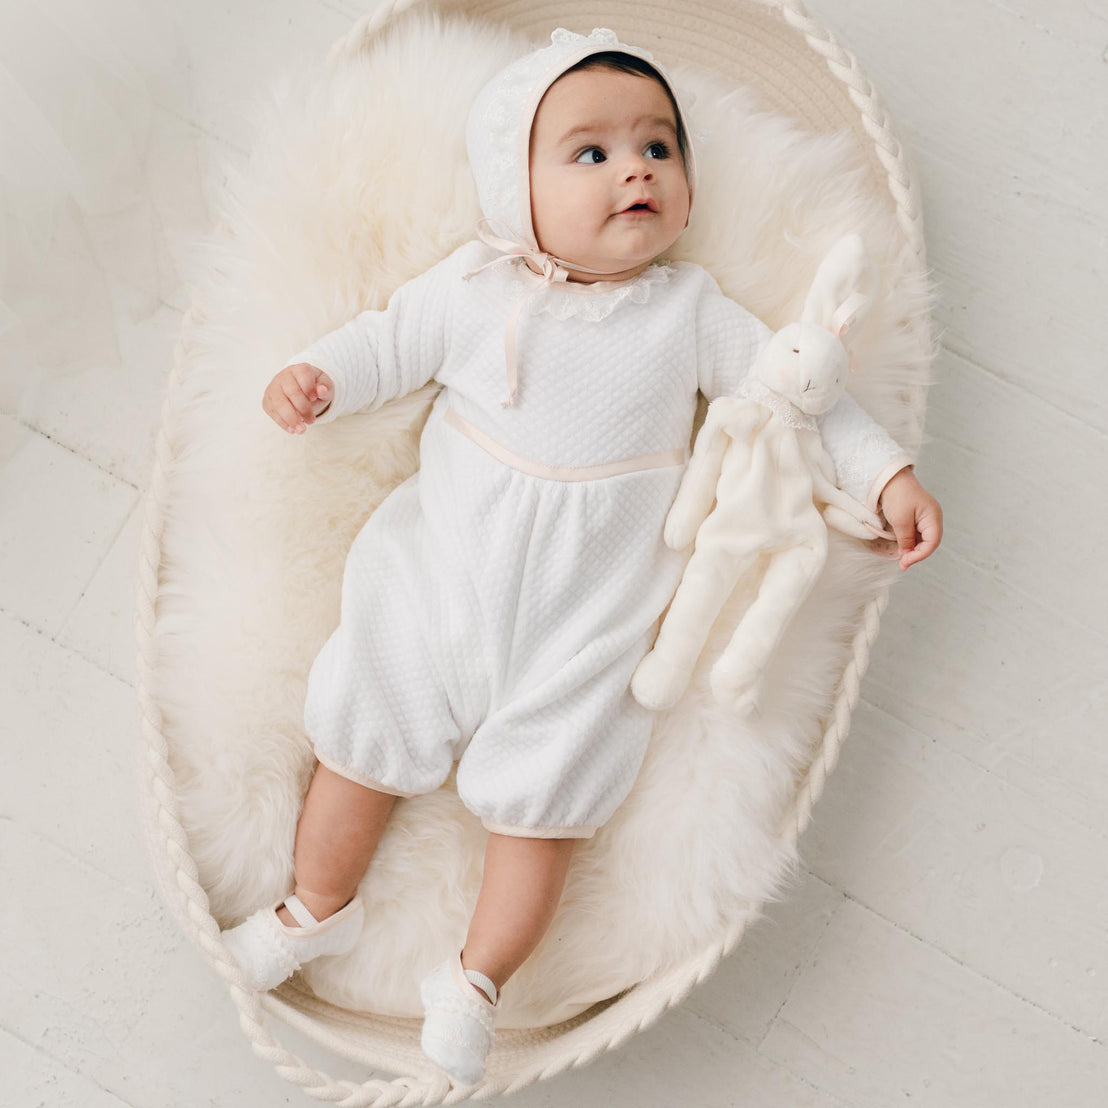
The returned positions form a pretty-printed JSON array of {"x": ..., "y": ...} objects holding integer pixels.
[{"x": 496, "y": 604}]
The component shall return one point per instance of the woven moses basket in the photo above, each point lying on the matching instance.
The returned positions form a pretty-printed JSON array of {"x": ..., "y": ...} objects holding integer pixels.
[{"x": 246, "y": 530}]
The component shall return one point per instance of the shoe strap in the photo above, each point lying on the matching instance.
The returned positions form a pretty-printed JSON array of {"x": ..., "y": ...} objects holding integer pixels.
[
  {"x": 299, "y": 912},
  {"x": 486, "y": 983}
]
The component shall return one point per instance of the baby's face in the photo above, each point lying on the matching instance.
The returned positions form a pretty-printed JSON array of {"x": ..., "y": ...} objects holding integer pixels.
[{"x": 601, "y": 141}]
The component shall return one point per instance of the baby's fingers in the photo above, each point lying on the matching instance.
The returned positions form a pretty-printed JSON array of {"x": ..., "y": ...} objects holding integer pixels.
[
  {"x": 296, "y": 409},
  {"x": 310, "y": 381},
  {"x": 929, "y": 528}
]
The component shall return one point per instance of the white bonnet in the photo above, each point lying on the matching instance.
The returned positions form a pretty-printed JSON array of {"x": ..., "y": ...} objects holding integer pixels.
[{"x": 498, "y": 129}]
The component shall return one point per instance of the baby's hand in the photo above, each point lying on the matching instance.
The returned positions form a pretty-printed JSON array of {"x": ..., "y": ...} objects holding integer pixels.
[
  {"x": 913, "y": 514},
  {"x": 297, "y": 395}
]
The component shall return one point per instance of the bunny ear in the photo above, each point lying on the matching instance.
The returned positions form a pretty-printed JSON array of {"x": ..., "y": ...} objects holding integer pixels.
[
  {"x": 848, "y": 314},
  {"x": 836, "y": 282},
  {"x": 856, "y": 306}
]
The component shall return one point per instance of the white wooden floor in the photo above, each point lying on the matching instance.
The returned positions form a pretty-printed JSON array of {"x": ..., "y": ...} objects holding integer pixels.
[{"x": 948, "y": 947}]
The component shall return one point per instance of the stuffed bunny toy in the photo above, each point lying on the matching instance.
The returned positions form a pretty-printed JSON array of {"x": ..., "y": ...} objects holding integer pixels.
[{"x": 760, "y": 456}]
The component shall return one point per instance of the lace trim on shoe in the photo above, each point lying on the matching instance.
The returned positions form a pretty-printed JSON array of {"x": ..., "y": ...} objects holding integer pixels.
[
  {"x": 460, "y": 1006},
  {"x": 448, "y": 1033},
  {"x": 287, "y": 945}
]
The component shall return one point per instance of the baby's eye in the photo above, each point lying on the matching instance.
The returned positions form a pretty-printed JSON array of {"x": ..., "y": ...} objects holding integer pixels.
[
  {"x": 659, "y": 146},
  {"x": 588, "y": 150}
]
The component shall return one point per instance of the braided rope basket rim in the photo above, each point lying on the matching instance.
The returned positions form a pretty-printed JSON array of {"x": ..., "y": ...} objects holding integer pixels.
[{"x": 605, "y": 1026}]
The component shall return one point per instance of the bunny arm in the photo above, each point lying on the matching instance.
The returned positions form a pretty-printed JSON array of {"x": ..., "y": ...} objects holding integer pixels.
[
  {"x": 729, "y": 422},
  {"x": 825, "y": 465},
  {"x": 841, "y": 510},
  {"x": 864, "y": 453},
  {"x": 846, "y": 524}
]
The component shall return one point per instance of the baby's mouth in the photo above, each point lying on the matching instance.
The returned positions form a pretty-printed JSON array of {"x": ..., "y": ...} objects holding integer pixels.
[{"x": 645, "y": 205}]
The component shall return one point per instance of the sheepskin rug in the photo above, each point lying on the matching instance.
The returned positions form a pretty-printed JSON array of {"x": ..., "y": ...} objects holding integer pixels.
[{"x": 358, "y": 181}]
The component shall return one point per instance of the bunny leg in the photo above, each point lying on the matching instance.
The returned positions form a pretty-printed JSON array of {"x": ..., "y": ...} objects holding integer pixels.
[
  {"x": 737, "y": 675},
  {"x": 709, "y": 579},
  {"x": 694, "y": 498}
]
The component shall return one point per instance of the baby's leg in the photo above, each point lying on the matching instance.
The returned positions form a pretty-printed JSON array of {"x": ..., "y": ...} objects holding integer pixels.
[
  {"x": 339, "y": 827},
  {"x": 521, "y": 888}
]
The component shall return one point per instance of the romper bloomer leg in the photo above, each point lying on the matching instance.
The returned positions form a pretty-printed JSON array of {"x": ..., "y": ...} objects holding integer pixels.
[
  {"x": 496, "y": 617},
  {"x": 378, "y": 709}
]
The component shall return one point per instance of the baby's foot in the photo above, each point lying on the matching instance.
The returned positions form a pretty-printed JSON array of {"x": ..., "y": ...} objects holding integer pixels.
[
  {"x": 459, "y": 1020},
  {"x": 268, "y": 950}
]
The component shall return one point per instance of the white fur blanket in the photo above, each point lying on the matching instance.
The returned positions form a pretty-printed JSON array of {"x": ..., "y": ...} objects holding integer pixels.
[{"x": 358, "y": 182}]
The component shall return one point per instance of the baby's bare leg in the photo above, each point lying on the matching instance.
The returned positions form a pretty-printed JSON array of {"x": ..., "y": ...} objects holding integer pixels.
[
  {"x": 339, "y": 827},
  {"x": 521, "y": 888}
]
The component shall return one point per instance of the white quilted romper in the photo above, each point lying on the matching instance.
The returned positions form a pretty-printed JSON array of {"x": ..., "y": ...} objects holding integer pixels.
[{"x": 496, "y": 604}]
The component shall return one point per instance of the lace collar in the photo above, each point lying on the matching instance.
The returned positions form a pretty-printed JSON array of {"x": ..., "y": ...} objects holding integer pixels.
[
  {"x": 753, "y": 389},
  {"x": 587, "y": 302},
  {"x": 595, "y": 301}
]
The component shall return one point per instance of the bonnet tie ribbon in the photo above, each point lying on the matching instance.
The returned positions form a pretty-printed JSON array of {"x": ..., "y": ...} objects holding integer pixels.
[{"x": 553, "y": 269}]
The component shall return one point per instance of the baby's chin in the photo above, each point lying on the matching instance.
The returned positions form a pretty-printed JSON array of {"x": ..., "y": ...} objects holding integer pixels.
[
  {"x": 612, "y": 272},
  {"x": 632, "y": 267},
  {"x": 617, "y": 265},
  {"x": 612, "y": 267}
]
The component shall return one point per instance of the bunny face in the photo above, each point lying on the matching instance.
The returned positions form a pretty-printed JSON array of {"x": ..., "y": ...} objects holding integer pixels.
[{"x": 806, "y": 364}]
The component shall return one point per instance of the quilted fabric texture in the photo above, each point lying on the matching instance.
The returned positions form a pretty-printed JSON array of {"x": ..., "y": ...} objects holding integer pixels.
[{"x": 494, "y": 616}]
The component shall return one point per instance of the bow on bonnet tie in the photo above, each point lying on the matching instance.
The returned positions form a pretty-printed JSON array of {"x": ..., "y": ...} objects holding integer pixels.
[{"x": 553, "y": 269}]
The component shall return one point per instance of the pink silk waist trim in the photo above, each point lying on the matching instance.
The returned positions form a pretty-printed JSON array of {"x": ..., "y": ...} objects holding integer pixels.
[{"x": 563, "y": 473}]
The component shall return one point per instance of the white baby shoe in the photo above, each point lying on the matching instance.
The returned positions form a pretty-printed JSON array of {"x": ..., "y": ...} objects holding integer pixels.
[
  {"x": 458, "y": 1024},
  {"x": 268, "y": 951}
]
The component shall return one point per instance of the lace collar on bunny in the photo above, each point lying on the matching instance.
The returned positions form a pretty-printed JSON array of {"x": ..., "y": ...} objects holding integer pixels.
[{"x": 785, "y": 410}]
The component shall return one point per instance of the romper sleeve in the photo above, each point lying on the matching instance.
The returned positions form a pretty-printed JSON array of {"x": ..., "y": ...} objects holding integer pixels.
[
  {"x": 729, "y": 339},
  {"x": 380, "y": 355}
]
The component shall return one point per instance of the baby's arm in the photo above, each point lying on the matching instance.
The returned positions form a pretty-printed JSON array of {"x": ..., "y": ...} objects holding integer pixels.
[
  {"x": 874, "y": 469},
  {"x": 866, "y": 456},
  {"x": 380, "y": 355}
]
